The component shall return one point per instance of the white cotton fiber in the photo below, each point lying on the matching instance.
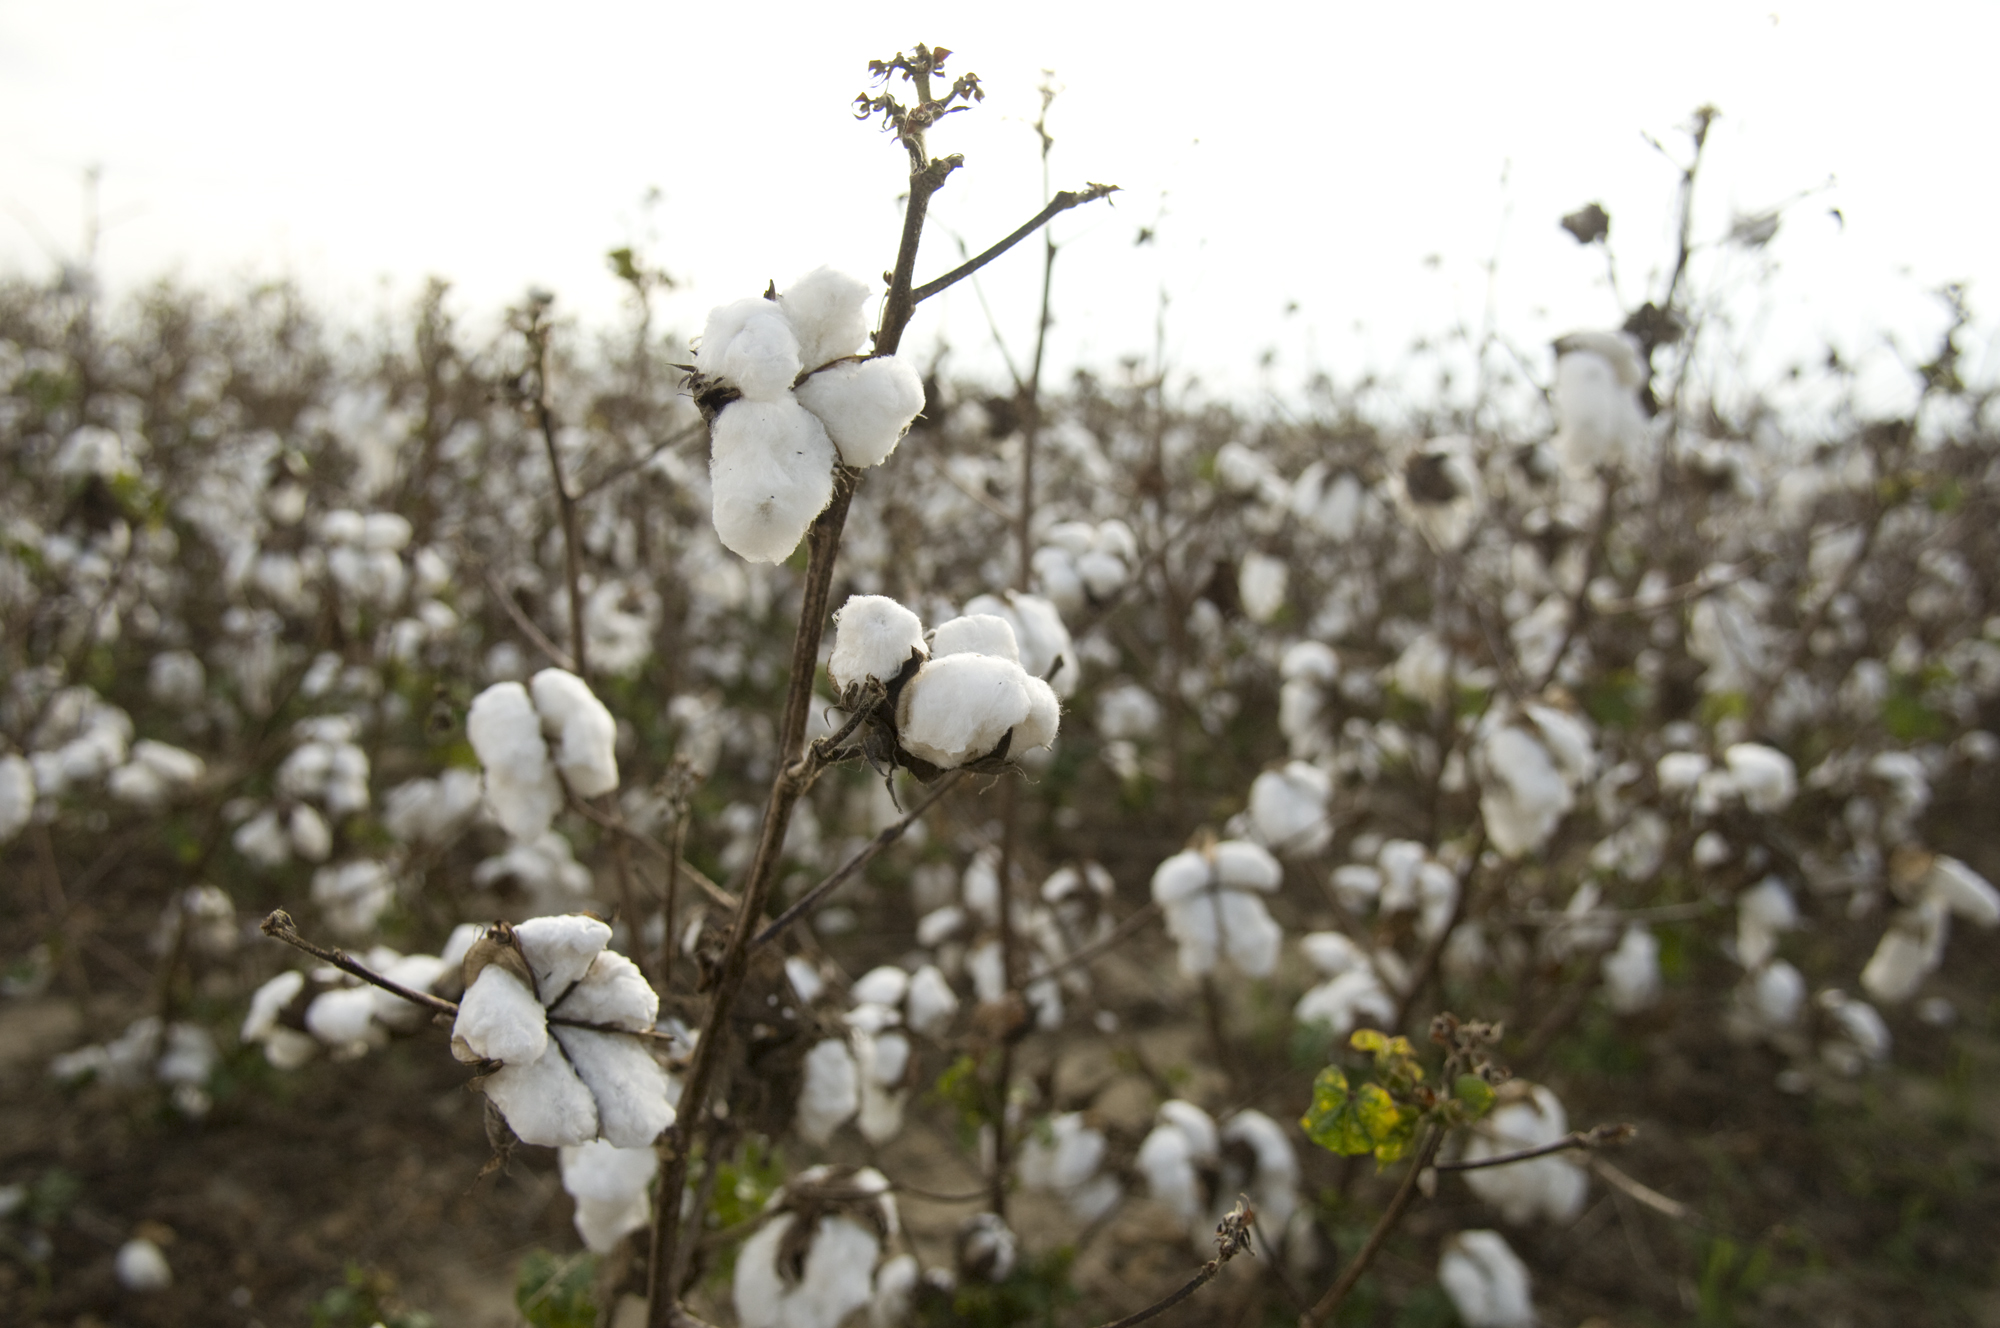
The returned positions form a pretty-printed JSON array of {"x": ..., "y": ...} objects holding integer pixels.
[
  {"x": 1040, "y": 634},
  {"x": 1765, "y": 776},
  {"x": 932, "y": 1003},
  {"x": 417, "y": 972},
  {"x": 976, "y": 634},
  {"x": 1289, "y": 809},
  {"x": 268, "y": 1002},
  {"x": 751, "y": 346},
  {"x": 1273, "y": 1182},
  {"x": 602, "y": 1223},
  {"x": 1181, "y": 876},
  {"x": 1949, "y": 882},
  {"x": 1242, "y": 865},
  {"x": 873, "y": 636},
  {"x": 560, "y": 949},
  {"x": 17, "y": 795},
  {"x": 1332, "y": 953},
  {"x": 831, "y": 1093},
  {"x": 829, "y": 311},
  {"x": 959, "y": 708},
  {"x": 1632, "y": 971},
  {"x": 1347, "y": 1000},
  {"x": 605, "y": 1172},
  {"x": 521, "y": 785},
  {"x": 837, "y": 1280},
  {"x": 614, "y": 993},
  {"x": 581, "y": 730},
  {"x": 544, "y": 1102},
  {"x": 1260, "y": 584},
  {"x": 771, "y": 472},
  {"x": 866, "y": 406},
  {"x": 1596, "y": 406},
  {"x": 880, "y": 986},
  {"x": 343, "y": 1017},
  {"x": 1552, "y": 1187},
  {"x": 1250, "y": 937},
  {"x": 140, "y": 1266},
  {"x": 499, "y": 1020},
  {"x": 1522, "y": 796},
  {"x": 1044, "y": 718},
  {"x": 1486, "y": 1281},
  {"x": 628, "y": 1085},
  {"x": 1196, "y": 927}
]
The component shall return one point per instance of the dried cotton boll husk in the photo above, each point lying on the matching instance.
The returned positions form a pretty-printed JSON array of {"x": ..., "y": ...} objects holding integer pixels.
[
  {"x": 544, "y": 1101},
  {"x": 829, "y": 311},
  {"x": 958, "y": 708},
  {"x": 582, "y": 728},
  {"x": 628, "y": 1086},
  {"x": 612, "y": 992},
  {"x": 499, "y": 1019},
  {"x": 873, "y": 636},
  {"x": 771, "y": 472},
  {"x": 1486, "y": 1281},
  {"x": 521, "y": 785},
  {"x": 831, "y": 1093},
  {"x": 866, "y": 405},
  {"x": 976, "y": 634},
  {"x": 750, "y": 345}
]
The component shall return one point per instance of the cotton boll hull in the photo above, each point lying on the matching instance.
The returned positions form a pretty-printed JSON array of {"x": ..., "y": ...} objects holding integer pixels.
[{"x": 771, "y": 472}]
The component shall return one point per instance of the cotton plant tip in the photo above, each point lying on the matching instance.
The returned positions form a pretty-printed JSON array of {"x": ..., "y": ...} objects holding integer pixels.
[
  {"x": 873, "y": 637},
  {"x": 544, "y": 1101},
  {"x": 499, "y": 1019},
  {"x": 582, "y": 731},
  {"x": 829, "y": 311},
  {"x": 1486, "y": 1281},
  {"x": 866, "y": 405},
  {"x": 521, "y": 784},
  {"x": 770, "y": 473},
  {"x": 976, "y": 634},
  {"x": 628, "y": 1086},
  {"x": 831, "y": 1094},
  {"x": 560, "y": 949},
  {"x": 958, "y": 708},
  {"x": 1289, "y": 809},
  {"x": 750, "y": 345}
]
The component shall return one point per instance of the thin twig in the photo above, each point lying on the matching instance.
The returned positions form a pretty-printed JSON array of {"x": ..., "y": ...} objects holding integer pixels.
[
  {"x": 538, "y": 336},
  {"x": 1139, "y": 918},
  {"x": 556, "y": 654},
  {"x": 1385, "y": 1224},
  {"x": 888, "y": 836},
  {"x": 1648, "y": 1196},
  {"x": 674, "y": 863},
  {"x": 1061, "y": 203},
  {"x": 280, "y": 927},
  {"x": 1595, "y": 1137},
  {"x": 1232, "y": 1237}
]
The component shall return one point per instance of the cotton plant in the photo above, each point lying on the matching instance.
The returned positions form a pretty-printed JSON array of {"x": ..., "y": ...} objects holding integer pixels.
[
  {"x": 1066, "y": 1156},
  {"x": 535, "y": 742},
  {"x": 821, "y": 1254},
  {"x": 1212, "y": 897},
  {"x": 1600, "y": 423},
  {"x": 799, "y": 401},
  {"x": 1083, "y": 564}
]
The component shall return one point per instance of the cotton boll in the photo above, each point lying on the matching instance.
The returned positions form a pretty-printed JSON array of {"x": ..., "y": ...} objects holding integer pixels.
[
  {"x": 885, "y": 985},
  {"x": 1486, "y": 1281},
  {"x": 1632, "y": 971},
  {"x": 1357, "y": 886},
  {"x": 1250, "y": 937},
  {"x": 1180, "y": 876},
  {"x": 1777, "y": 994},
  {"x": 1762, "y": 912},
  {"x": 866, "y": 406},
  {"x": 416, "y": 972},
  {"x": 1553, "y": 1186},
  {"x": 958, "y": 708},
  {"x": 1261, "y": 583},
  {"x": 1679, "y": 772},
  {"x": 881, "y": 1062},
  {"x": 1765, "y": 776},
  {"x": 837, "y": 1277},
  {"x": 612, "y": 992},
  {"x": 1289, "y": 809},
  {"x": 1242, "y": 865},
  {"x": 985, "y": 1248},
  {"x": 353, "y": 895},
  {"x": 829, "y": 311},
  {"x": 1523, "y": 797},
  {"x": 141, "y": 1267},
  {"x": 628, "y": 1086},
  {"x": 1066, "y": 1159},
  {"x": 521, "y": 785},
  {"x": 1949, "y": 882},
  {"x": 268, "y": 1002},
  {"x": 1909, "y": 951},
  {"x": 932, "y": 1003},
  {"x": 806, "y": 982},
  {"x": 751, "y": 345},
  {"x": 873, "y": 637},
  {"x": 771, "y": 472},
  {"x": 831, "y": 1094},
  {"x": 307, "y": 834},
  {"x": 1346, "y": 1002},
  {"x": 344, "y": 1019},
  {"x": 561, "y": 949},
  {"x": 1332, "y": 953},
  {"x": 1039, "y": 729},
  {"x": 1860, "y": 1037},
  {"x": 976, "y": 634},
  {"x": 602, "y": 1224},
  {"x": 1196, "y": 926},
  {"x": 1423, "y": 671},
  {"x": 582, "y": 728},
  {"x": 499, "y": 1020},
  {"x": 1038, "y": 629},
  {"x": 544, "y": 1101},
  {"x": 609, "y": 1185},
  {"x": 1601, "y": 423}
]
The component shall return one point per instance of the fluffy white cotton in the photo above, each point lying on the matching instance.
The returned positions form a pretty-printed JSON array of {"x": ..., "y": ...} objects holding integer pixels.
[
  {"x": 141, "y": 1267},
  {"x": 873, "y": 637},
  {"x": 1171, "y": 1157},
  {"x": 499, "y": 1020},
  {"x": 1908, "y": 952},
  {"x": 1522, "y": 794},
  {"x": 627, "y": 1084},
  {"x": 1632, "y": 971},
  {"x": 836, "y": 1281},
  {"x": 1289, "y": 809},
  {"x": 1765, "y": 776},
  {"x": 752, "y": 346},
  {"x": 344, "y": 1019},
  {"x": 544, "y": 1101},
  {"x": 976, "y": 634},
  {"x": 1332, "y": 953},
  {"x": 1763, "y": 911},
  {"x": 1679, "y": 772},
  {"x": 829, "y": 312},
  {"x": 417, "y": 972},
  {"x": 1860, "y": 1038},
  {"x": 932, "y": 1003},
  {"x": 1949, "y": 882},
  {"x": 880, "y": 1062},
  {"x": 1552, "y": 1186},
  {"x": 1597, "y": 408},
  {"x": 1486, "y": 1281},
  {"x": 614, "y": 993},
  {"x": 866, "y": 405},
  {"x": 353, "y": 895},
  {"x": 885, "y": 985},
  {"x": 17, "y": 795},
  {"x": 1776, "y": 994},
  {"x": 609, "y": 1185},
  {"x": 1261, "y": 583},
  {"x": 561, "y": 949},
  {"x": 1065, "y": 1158},
  {"x": 431, "y": 811},
  {"x": 1046, "y": 650},
  {"x": 958, "y": 708},
  {"x": 268, "y": 1002},
  {"x": 771, "y": 472},
  {"x": 1242, "y": 865},
  {"x": 1347, "y": 1001},
  {"x": 581, "y": 729},
  {"x": 832, "y": 1091},
  {"x": 1180, "y": 876},
  {"x": 1273, "y": 1180},
  {"x": 157, "y": 772},
  {"x": 521, "y": 784}
]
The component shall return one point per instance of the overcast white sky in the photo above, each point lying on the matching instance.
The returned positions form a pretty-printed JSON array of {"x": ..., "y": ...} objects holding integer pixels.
[{"x": 1310, "y": 154}]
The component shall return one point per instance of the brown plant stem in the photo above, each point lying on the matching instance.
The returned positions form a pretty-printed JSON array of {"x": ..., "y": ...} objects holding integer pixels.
[
  {"x": 1595, "y": 1137},
  {"x": 1384, "y": 1225},
  {"x": 1058, "y": 205},
  {"x": 1231, "y": 1238},
  {"x": 545, "y": 420}
]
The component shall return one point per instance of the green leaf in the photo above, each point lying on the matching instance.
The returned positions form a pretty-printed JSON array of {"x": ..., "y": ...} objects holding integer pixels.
[
  {"x": 1475, "y": 1093},
  {"x": 1332, "y": 1121},
  {"x": 1389, "y": 1127}
]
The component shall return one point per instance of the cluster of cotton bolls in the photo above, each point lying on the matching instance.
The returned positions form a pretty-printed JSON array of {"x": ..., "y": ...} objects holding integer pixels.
[
  {"x": 1197, "y": 1171},
  {"x": 1529, "y": 768},
  {"x": 1082, "y": 564},
  {"x": 298, "y": 1015},
  {"x": 863, "y": 1075},
  {"x": 363, "y": 555},
  {"x": 804, "y": 403},
  {"x": 821, "y": 1254},
  {"x": 1212, "y": 897},
  {"x": 179, "y": 1055},
  {"x": 322, "y": 780}
]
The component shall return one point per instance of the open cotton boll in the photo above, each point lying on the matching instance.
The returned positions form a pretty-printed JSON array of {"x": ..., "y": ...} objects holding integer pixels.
[
  {"x": 1861, "y": 1038},
  {"x": 268, "y": 1002},
  {"x": 1260, "y": 584},
  {"x": 750, "y": 345},
  {"x": 1332, "y": 953},
  {"x": 521, "y": 785},
  {"x": 1066, "y": 1159},
  {"x": 1039, "y": 729},
  {"x": 612, "y": 992},
  {"x": 1345, "y": 1001},
  {"x": 958, "y": 708},
  {"x": 582, "y": 728},
  {"x": 353, "y": 895},
  {"x": 873, "y": 636},
  {"x": 1632, "y": 971},
  {"x": 1776, "y": 994},
  {"x": 1763, "y": 911},
  {"x": 141, "y": 1267},
  {"x": 344, "y": 1019},
  {"x": 1273, "y": 1180},
  {"x": 1039, "y": 631},
  {"x": 976, "y": 634},
  {"x": 771, "y": 472},
  {"x": 1553, "y": 1186},
  {"x": 1181, "y": 876},
  {"x": 602, "y": 1223},
  {"x": 1679, "y": 772},
  {"x": 866, "y": 405},
  {"x": 560, "y": 949},
  {"x": 1289, "y": 809},
  {"x": 1765, "y": 776},
  {"x": 628, "y": 1086},
  {"x": 499, "y": 1020},
  {"x": 1597, "y": 409},
  {"x": 1250, "y": 937},
  {"x": 880, "y": 986},
  {"x": 1952, "y": 884},
  {"x": 1909, "y": 951},
  {"x": 1357, "y": 886},
  {"x": 832, "y": 1091},
  {"x": 1486, "y": 1281},
  {"x": 544, "y": 1101},
  {"x": 834, "y": 1280},
  {"x": 1166, "y": 1159},
  {"x": 1242, "y": 865},
  {"x": 829, "y": 311},
  {"x": 605, "y": 1172},
  {"x": 417, "y": 972},
  {"x": 1522, "y": 797},
  {"x": 880, "y": 1062},
  {"x": 932, "y": 1003}
]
